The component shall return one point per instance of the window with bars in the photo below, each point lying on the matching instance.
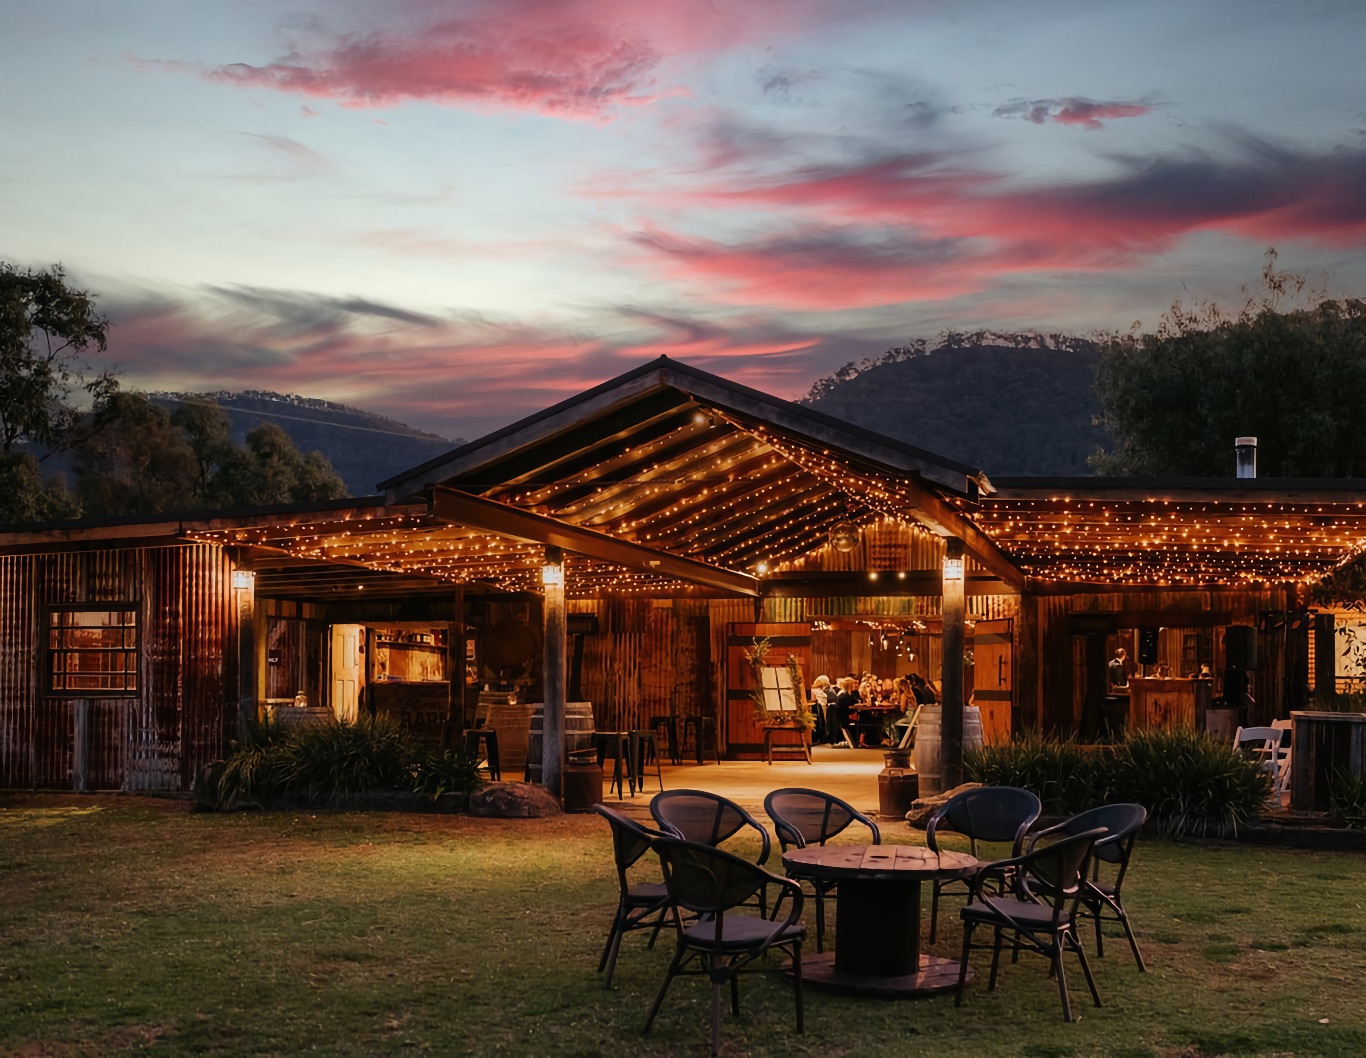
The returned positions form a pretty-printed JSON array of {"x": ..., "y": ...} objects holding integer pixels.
[{"x": 93, "y": 652}]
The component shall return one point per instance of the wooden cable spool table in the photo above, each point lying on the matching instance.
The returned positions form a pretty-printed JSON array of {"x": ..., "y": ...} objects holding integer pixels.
[{"x": 877, "y": 917}]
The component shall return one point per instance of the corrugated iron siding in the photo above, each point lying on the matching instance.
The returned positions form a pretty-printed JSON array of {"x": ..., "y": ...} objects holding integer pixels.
[
  {"x": 154, "y": 741},
  {"x": 651, "y": 657}
]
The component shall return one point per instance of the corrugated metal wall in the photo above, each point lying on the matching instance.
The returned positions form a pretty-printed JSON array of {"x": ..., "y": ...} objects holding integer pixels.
[{"x": 156, "y": 740}]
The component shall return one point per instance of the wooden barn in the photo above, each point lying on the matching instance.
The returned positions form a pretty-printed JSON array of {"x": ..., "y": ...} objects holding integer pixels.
[{"x": 626, "y": 548}]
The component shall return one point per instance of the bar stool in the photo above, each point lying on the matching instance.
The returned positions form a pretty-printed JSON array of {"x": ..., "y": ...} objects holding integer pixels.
[
  {"x": 703, "y": 729},
  {"x": 489, "y": 738},
  {"x": 640, "y": 741},
  {"x": 619, "y": 745},
  {"x": 670, "y": 728}
]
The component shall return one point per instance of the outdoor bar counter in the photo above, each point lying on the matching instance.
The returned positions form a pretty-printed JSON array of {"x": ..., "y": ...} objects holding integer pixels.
[{"x": 1167, "y": 703}]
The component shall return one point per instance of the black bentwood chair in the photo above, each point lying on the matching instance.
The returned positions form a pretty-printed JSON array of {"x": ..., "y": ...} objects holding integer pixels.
[
  {"x": 708, "y": 819},
  {"x": 1050, "y": 881},
  {"x": 804, "y": 817},
  {"x": 1100, "y": 898},
  {"x": 640, "y": 906},
  {"x": 722, "y": 942},
  {"x": 987, "y": 813}
]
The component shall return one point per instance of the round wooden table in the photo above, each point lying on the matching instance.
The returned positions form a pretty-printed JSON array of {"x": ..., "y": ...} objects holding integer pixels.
[{"x": 877, "y": 917}]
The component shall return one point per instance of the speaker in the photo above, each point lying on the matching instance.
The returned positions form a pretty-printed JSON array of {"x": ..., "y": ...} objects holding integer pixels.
[
  {"x": 1147, "y": 646},
  {"x": 1240, "y": 647},
  {"x": 581, "y": 624}
]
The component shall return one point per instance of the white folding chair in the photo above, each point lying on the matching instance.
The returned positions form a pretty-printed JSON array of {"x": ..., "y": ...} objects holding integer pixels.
[
  {"x": 1265, "y": 744},
  {"x": 1285, "y": 748}
]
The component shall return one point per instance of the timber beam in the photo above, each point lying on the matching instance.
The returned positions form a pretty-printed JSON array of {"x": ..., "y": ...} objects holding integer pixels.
[{"x": 461, "y": 508}]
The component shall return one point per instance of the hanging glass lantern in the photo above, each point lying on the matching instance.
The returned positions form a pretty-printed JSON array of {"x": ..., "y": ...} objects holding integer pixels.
[{"x": 844, "y": 537}]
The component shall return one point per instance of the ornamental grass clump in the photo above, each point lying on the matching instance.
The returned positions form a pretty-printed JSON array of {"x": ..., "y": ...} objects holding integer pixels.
[
  {"x": 1066, "y": 776},
  {"x": 1191, "y": 785},
  {"x": 336, "y": 761},
  {"x": 447, "y": 771},
  {"x": 259, "y": 770},
  {"x": 1347, "y": 799}
]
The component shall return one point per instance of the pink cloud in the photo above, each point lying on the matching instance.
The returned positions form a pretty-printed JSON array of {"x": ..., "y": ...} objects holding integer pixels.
[
  {"x": 912, "y": 229},
  {"x": 565, "y": 58}
]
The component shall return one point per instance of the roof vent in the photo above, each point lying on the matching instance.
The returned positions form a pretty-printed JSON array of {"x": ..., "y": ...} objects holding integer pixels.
[{"x": 1246, "y": 450}]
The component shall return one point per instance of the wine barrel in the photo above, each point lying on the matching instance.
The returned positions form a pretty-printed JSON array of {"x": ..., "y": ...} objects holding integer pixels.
[
  {"x": 512, "y": 721},
  {"x": 929, "y": 758},
  {"x": 578, "y": 734}
]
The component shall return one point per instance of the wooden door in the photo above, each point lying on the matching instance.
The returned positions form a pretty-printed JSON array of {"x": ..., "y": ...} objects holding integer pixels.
[
  {"x": 346, "y": 671},
  {"x": 994, "y": 678},
  {"x": 742, "y": 735}
]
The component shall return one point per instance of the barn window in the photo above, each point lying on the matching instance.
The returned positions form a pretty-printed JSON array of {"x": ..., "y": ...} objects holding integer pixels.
[{"x": 93, "y": 652}]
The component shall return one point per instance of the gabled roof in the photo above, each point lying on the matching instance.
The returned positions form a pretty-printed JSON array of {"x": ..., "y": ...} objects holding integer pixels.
[
  {"x": 665, "y": 385},
  {"x": 696, "y": 467}
]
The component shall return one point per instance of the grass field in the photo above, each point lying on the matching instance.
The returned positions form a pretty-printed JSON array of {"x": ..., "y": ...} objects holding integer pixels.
[{"x": 129, "y": 926}]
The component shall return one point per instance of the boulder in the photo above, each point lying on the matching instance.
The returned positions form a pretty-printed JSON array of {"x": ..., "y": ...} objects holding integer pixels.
[
  {"x": 923, "y": 807},
  {"x": 513, "y": 800}
]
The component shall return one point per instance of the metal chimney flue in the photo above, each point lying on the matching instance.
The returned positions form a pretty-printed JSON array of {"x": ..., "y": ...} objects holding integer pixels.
[{"x": 1245, "y": 449}]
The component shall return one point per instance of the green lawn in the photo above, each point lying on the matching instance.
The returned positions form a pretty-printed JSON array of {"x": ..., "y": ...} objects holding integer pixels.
[{"x": 130, "y": 925}]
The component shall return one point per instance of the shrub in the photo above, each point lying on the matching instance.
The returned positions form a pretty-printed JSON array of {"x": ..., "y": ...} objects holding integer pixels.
[
  {"x": 334, "y": 761},
  {"x": 259, "y": 769},
  {"x": 1066, "y": 776},
  {"x": 1191, "y": 785},
  {"x": 450, "y": 771},
  {"x": 1347, "y": 799}
]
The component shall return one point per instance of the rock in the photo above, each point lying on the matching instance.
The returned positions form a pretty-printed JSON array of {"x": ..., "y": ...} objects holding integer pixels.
[
  {"x": 923, "y": 807},
  {"x": 513, "y": 800}
]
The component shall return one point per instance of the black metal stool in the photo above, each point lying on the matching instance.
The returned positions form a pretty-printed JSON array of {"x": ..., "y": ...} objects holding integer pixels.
[
  {"x": 670, "y": 728},
  {"x": 619, "y": 744},
  {"x": 703, "y": 729},
  {"x": 489, "y": 737},
  {"x": 640, "y": 741}
]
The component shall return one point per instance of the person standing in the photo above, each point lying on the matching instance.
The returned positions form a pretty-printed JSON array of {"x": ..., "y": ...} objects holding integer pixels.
[
  {"x": 820, "y": 704},
  {"x": 838, "y": 714}
]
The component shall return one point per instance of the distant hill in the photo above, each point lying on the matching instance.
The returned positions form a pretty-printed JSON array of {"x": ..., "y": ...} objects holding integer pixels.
[
  {"x": 1006, "y": 409},
  {"x": 364, "y": 448}
]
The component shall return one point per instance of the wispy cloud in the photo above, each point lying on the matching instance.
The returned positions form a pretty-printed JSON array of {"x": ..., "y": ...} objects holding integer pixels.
[{"x": 1071, "y": 110}]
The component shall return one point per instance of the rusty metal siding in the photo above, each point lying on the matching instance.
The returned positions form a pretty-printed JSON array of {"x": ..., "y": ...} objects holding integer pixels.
[
  {"x": 155, "y": 740},
  {"x": 18, "y": 672}
]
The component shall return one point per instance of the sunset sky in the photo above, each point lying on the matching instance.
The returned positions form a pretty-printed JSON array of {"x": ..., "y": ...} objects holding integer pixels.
[{"x": 456, "y": 213}]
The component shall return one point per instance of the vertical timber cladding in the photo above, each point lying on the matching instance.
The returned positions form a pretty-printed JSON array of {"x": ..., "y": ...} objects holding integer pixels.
[
  {"x": 1061, "y": 661},
  {"x": 173, "y": 724},
  {"x": 651, "y": 657},
  {"x": 743, "y": 734}
]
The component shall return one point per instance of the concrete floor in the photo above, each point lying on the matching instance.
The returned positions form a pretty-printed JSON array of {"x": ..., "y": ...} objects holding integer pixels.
[{"x": 850, "y": 774}]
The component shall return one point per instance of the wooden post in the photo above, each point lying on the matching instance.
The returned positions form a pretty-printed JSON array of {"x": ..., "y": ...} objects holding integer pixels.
[
  {"x": 553, "y": 671},
  {"x": 1028, "y": 714},
  {"x": 951, "y": 673},
  {"x": 244, "y": 592},
  {"x": 455, "y": 671}
]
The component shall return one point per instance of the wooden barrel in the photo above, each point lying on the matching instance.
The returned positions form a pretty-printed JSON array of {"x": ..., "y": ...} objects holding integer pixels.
[
  {"x": 929, "y": 758},
  {"x": 578, "y": 734},
  {"x": 512, "y": 722}
]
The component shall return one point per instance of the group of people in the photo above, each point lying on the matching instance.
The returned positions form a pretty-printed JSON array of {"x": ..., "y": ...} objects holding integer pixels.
[{"x": 834, "y": 706}]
